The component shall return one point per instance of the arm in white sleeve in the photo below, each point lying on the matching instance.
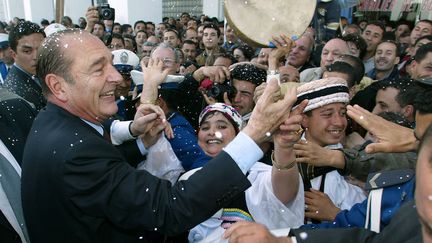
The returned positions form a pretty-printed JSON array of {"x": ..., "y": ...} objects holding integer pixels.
[
  {"x": 120, "y": 133},
  {"x": 244, "y": 151}
]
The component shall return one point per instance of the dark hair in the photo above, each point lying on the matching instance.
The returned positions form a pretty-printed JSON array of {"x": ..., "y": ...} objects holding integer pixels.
[
  {"x": 425, "y": 21},
  {"x": 357, "y": 64},
  {"x": 172, "y": 97},
  {"x": 396, "y": 118},
  {"x": 190, "y": 42},
  {"x": 358, "y": 41},
  {"x": 391, "y": 42},
  {"x": 345, "y": 68},
  {"x": 174, "y": 31},
  {"x": 249, "y": 72},
  {"x": 226, "y": 55},
  {"x": 213, "y": 26},
  {"x": 101, "y": 23},
  {"x": 132, "y": 38},
  {"x": 405, "y": 86},
  {"x": 108, "y": 38},
  {"x": 124, "y": 27},
  {"x": 52, "y": 59},
  {"x": 422, "y": 98},
  {"x": 44, "y": 22},
  {"x": 248, "y": 52},
  {"x": 379, "y": 24},
  {"x": 141, "y": 31},
  {"x": 404, "y": 22},
  {"x": 150, "y": 23},
  {"x": 421, "y": 52},
  {"x": 23, "y": 28},
  {"x": 139, "y": 22},
  {"x": 185, "y": 13},
  {"x": 427, "y": 37},
  {"x": 389, "y": 35}
]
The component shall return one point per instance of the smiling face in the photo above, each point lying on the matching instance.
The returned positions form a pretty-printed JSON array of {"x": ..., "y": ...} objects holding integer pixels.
[
  {"x": 332, "y": 50},
  {"x": 215, "y": 132},
  {"x": 386, "y": 57},
  {"x": 300, "y": 53},
  {"x": 243, "y": 101},
  {"x": 90, "y": 95},
  {"x": 326, "y": 125}
]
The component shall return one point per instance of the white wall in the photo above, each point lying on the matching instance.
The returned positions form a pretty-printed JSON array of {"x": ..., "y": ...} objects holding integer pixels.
[
  {"x": 75, "y": 9},
  {"x": 213, "y": 8},
  {"x": 147, "y": 10}
]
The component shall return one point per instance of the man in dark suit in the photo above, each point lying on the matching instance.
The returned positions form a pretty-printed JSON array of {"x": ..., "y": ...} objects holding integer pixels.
[
  {"x": 77, "y": 187},
  {"x": 16, "y": 117},
  {"x": 24, "y": 39}
]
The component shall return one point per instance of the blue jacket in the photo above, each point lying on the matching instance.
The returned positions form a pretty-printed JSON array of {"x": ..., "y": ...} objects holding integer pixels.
[
  {"x": 392, "y": 199},
  {"x": 185, "y": 143}
]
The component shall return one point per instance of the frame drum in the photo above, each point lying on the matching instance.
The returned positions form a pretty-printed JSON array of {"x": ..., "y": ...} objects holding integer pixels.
[{"x": 256, "y": 21}]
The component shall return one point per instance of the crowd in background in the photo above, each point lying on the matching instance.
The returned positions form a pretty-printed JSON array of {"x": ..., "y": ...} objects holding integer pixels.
[{"x": 153, "y": 131}]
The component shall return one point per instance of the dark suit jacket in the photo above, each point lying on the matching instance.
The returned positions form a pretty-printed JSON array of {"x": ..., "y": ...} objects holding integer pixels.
[
  {"x": 16, "y": 117},
  {"x": 25, "y": 86},
  {"x": 77, "y": 187},
  {"x": 404, "y": 227}
]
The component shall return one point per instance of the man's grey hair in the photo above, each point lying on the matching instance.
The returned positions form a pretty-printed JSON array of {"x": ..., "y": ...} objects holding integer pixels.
[{"x": 166, "y": 46}]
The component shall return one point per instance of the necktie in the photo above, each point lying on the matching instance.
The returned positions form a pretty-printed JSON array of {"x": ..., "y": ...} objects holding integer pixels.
[{"x": 106, "y": 135}]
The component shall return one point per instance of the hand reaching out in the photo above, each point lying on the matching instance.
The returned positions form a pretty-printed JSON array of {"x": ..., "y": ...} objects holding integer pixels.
[{"x": 319, "y": 206}]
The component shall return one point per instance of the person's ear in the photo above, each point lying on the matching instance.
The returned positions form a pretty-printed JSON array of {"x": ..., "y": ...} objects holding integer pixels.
[
  {"x": 57, "y": 87},
  {"x": 305, "y": 121},
  {"x": 408, "y": 111},
  {"x": 396, "y": 60}
]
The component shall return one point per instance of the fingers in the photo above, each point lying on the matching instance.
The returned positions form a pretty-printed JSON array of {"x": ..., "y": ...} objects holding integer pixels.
[
  {"x": 226, "y": 99},
  {"x": 271, "y": 87},
  {"x": 377, "y": 147},
  {"x": 248, "y": 232},
  {"x": 300, "y": 108},
  {"x": 208, "y": 100},
  {"x": 290, "y": 97},
  {"x": 359, "y": 115},
  {"x": 169, "y": 133},
  {"x": 149, "y": 108},
  {"x": 259, "y": 91},
  {"x": 235, "y": 228}
]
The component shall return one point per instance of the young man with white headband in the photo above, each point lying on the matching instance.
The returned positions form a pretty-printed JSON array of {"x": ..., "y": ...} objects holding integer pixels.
[{"x": 324, "y": 121}]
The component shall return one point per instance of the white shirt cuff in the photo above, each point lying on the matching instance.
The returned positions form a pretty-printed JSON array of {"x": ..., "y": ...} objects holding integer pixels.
[
  {"x": 119, "y": 132},
  {"x": 244, "y": 151},
  {"x": 141, "y": 146}
]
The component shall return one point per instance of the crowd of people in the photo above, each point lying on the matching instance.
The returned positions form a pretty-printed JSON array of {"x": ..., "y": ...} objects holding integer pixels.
[{"x": 182, "y": 132}]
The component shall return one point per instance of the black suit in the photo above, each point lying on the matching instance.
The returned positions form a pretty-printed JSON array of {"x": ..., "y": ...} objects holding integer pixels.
[
  {"x": 404, "y": 227},
  {"x": 16, "y": 117},
  {"x": 25, "y": 86},
  {"x": 77, "y": 187}
]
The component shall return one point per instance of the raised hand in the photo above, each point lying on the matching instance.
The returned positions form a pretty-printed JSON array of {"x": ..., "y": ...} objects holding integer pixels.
[{"x": 391, "y": 137}]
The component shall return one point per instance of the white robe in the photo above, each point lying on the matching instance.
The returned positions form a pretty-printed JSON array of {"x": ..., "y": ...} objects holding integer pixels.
[{"x": 262, "y": 204}]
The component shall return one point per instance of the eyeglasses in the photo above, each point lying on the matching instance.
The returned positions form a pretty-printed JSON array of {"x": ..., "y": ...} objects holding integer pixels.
[{"x": 168, "y": 62}]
